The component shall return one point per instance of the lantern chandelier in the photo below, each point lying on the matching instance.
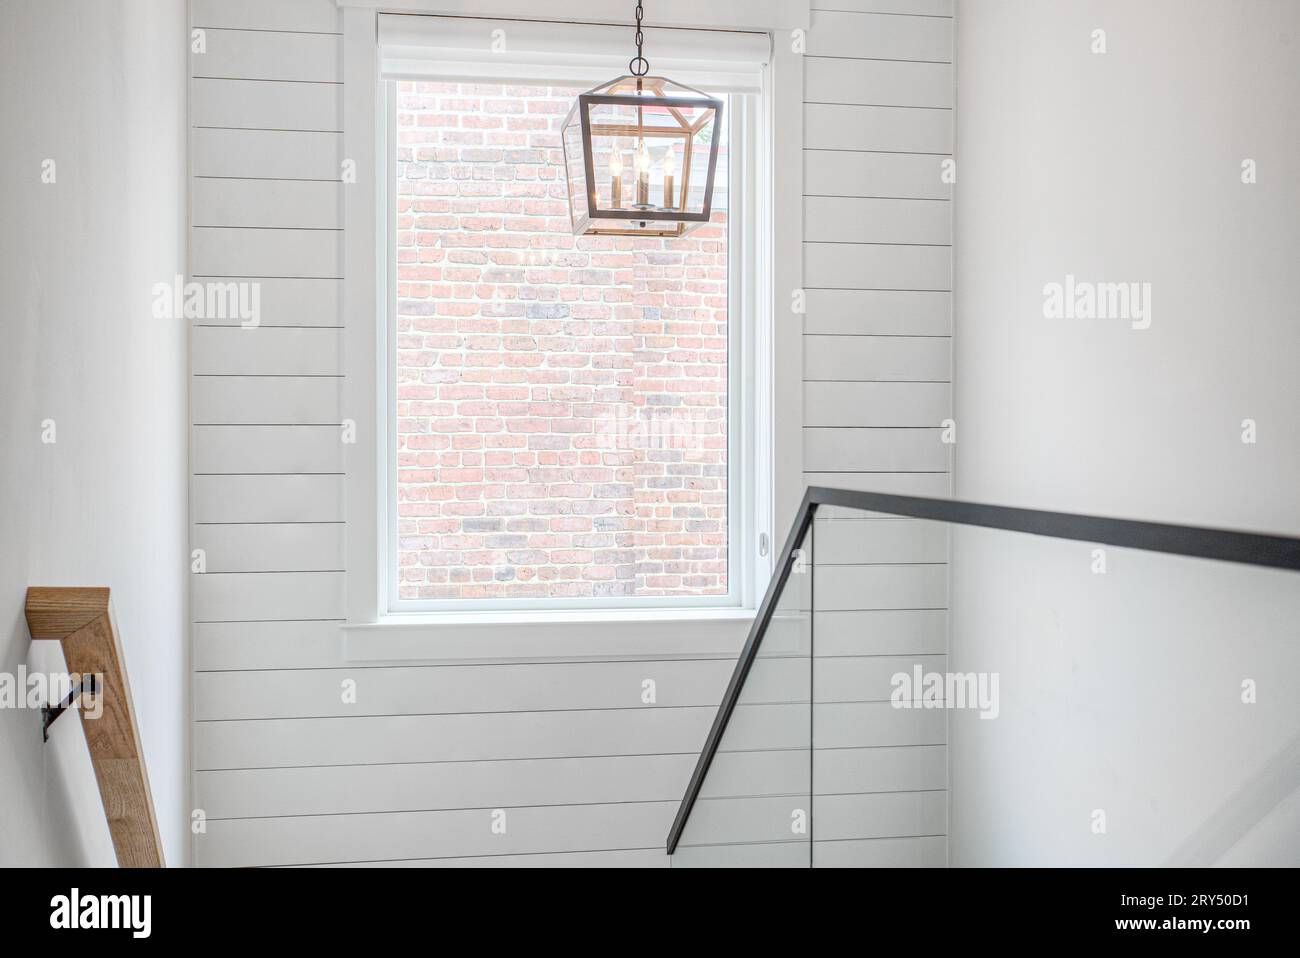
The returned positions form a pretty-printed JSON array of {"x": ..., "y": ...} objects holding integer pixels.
[{"x": 640, "y": 154}]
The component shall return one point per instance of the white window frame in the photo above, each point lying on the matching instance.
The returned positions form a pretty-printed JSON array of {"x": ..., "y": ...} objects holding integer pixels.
[{"x": 365, "y": 397}]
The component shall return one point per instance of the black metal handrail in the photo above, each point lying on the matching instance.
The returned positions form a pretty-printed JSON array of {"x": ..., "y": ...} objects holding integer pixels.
[{"x": 1224, "y": 545}]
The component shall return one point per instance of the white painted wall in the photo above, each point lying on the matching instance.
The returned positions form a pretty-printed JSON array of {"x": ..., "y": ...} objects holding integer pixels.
[
  {"x": 1122, "y": 691},
  {"x": 99, "y": 89}
]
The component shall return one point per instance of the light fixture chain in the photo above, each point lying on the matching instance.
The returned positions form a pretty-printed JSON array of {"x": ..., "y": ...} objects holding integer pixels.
[{"x": 639, "y": 66}]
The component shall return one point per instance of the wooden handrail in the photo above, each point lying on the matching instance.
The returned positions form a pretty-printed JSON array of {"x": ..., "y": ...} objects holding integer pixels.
[{"x": 81, "y": 620}]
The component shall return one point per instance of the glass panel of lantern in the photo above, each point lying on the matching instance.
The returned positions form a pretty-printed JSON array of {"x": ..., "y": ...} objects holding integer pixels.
[{"x": 641, "y": 155}]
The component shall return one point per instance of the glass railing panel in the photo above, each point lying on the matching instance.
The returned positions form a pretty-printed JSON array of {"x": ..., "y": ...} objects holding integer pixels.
[
  {"x": 754, "y": 808},
  {"x": 1145, "y": 710},
  {"x": 879, "y": 773},
  {"x": 943, "y": 693}
]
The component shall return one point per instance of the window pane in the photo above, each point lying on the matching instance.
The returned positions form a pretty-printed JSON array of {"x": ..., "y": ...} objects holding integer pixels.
[{"x": 561, "y": 410}]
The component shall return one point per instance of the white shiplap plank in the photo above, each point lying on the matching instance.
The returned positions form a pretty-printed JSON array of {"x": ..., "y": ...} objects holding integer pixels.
[
  {"x": 740, "y": 774},
  {"x": 283, "y": 204},
  {"x": 269, "y": 55},
  {"x": 737, "y": 821},
  {"x": 353, "y": 789},
  {"x": 928, "y": 852},
  {"x": 410, "y": 690},
  {"x": 871, "y": 312},
  {"x": 900, "y": 175},
  {"x": 834, "y": 818},
  {"x": 557, "y": 641},
  {"x": 321, "y": 16},
  {"x": 468, "y": 832},
  {"x": 875, "y": 450},
  {"x": 876, "y": 404},
  {"x": 265, "y": 596},
  {"x": 309, "y": 254},
  {"x": 866, "y": 678},
  {"x": 624, "y": 858},
  {"x": 882, "y": 587},
  {"x": 842, "y": 266},
  {"x": 841, "y": 771},
  {"x": 837, "y": 725},
  {"x": 266, "y": 105},
  {"x": 270, "y": 547},
  {"x": 267, "y": 351},
  {"x": 867, "y": 35},
  {"x": 850, "y": 541},
  {"x": 267, "y": 645},
  {"x": 877, "y": 725},
  {"x": 877, "y": 358},
  {"x": 253, "y": 450},
  {"x": 886, "y": 128},
  {"x": 449, "y": 738},
  {"x": 266, "y": 499},
  {"x": 786, "y": 854},
  {"x": 934, "y": 8},
  {"x": 265, "y": 400},
  {"x": 282, "y": 302},
  {"x": 878, "y": 82},
  {"x": 275, "y": 743},
  {"x": 869, "y": 220},
  {"x": 547, "y": 829},
  {"x": 880, "y": 815},
  {"x": 882, "y": 632},
  {"x": 267, "y": 154},
  {"x": 924, "y": 852},
  {"x": 932, "y": 484}
]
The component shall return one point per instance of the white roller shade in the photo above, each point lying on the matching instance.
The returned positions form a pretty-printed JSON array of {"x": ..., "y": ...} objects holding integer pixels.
[{"x": 565, "y": 54}]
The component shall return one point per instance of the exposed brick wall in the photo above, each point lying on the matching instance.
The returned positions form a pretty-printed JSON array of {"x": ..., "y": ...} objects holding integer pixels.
[{"x": 562, "y": 402}]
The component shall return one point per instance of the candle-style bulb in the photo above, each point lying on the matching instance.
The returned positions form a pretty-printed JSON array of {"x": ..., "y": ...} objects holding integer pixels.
[
  {"x": 616, "y": 163},
  {"x": 670, "y": 167},
  {"x": 642, "y": 175}
]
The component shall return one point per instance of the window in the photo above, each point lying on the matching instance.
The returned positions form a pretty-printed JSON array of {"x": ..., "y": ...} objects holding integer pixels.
[{"x": 573, "y": 421}]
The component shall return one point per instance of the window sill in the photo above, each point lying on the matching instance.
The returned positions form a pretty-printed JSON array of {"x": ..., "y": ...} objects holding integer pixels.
[{"x": 568, "y": 636}]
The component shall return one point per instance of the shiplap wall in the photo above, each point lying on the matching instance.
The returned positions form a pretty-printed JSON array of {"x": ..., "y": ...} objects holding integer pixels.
[
  {"x": 289, "y": 775},
  {"x": 267, "y": 493},
  {"x": 878, "y": 124}
]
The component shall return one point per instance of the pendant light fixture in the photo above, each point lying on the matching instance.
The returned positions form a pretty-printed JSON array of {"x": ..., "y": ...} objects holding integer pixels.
[{"x": 640, "y": 154}]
